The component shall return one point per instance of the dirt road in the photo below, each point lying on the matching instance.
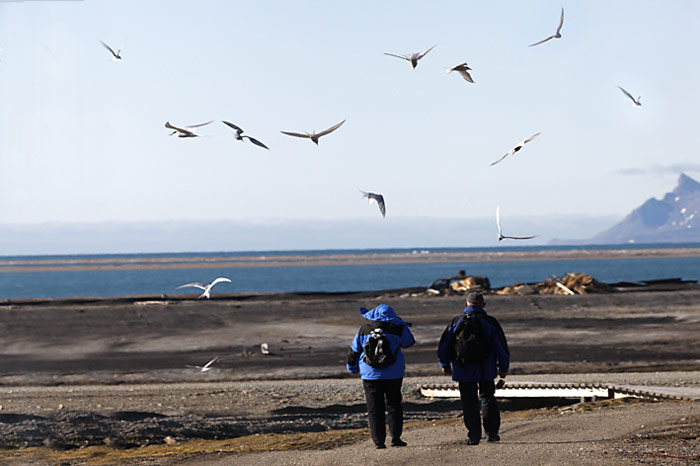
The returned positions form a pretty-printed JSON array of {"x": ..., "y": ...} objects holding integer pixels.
[{"x": 611, "y": 435}]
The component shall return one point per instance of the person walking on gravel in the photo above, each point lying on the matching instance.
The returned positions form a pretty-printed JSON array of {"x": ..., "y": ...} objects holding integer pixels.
[
  {"x": 376, "y": 354},
  {"x": 473, "y": 349}
]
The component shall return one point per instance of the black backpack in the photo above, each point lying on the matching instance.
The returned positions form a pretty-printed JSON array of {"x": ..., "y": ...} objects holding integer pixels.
[
  {"x": 378, "y": 350},
  {"x": 471, "y": 344}
]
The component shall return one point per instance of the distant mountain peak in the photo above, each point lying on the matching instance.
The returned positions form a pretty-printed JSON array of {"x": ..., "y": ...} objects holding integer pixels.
[
  {"x": 673, "y": 219},
  {"x": 686, "y": 185}
]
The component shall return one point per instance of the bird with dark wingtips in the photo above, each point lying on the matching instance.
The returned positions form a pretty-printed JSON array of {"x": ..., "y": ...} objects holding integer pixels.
[
  {"x": 240, "y": 136},
  {"x": 556, "y": 35},
  {"x": 206, "y": 288},
  {"x": 463, "y": 70},
  {"x": 116, "y": 56},
  {"x": 501, "y": 237},
  {"x": 412, "y": 57},
  {"x": 314, "y": 135},
  {"x": 636, "y": 103},
  {"x": 205, "y": 367},
  {"x": 378, "y": 198},
  {"x": 187, "y": 131},
  {"x": 516, "y": 148}
]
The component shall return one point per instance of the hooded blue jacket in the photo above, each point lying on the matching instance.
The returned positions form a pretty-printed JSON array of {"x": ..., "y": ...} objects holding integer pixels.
[
  {"x": 497, "y": 361},
  {"x": 399, "y": 337}
]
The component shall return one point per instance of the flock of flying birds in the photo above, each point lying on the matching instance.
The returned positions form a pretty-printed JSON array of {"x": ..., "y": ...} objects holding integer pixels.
[{"x": 413, "y": 58}]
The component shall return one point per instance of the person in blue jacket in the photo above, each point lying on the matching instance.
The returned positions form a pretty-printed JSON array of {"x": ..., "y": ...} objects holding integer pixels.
[
  {"x": 477, "y": 376},
  {"x": 376, "y": 354}
]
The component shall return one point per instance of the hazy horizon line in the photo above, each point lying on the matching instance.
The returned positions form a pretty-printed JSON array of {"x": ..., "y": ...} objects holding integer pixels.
[
  {"x": 263, "y": 220},
  {"x": 156, "y": 236}
]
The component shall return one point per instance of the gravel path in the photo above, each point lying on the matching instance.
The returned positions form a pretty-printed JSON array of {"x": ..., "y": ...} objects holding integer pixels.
[{"x": 605, "y": 436}]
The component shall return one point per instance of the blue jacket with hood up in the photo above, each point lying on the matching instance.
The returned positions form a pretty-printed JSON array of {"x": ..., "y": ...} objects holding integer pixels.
[
  {"x": 497, "y": 361},
  {"x": 399, "y": 337}
]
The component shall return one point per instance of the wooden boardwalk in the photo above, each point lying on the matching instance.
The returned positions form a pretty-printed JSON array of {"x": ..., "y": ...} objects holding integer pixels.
[{"x": 523, "y": 389}]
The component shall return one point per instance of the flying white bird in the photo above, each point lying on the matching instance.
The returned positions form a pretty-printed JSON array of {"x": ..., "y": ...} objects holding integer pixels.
[
  {"x": 205, "y": 367},
  {"x": 516, "y": 148},
  {"x": 116, "y": 56},
  {"x": 187, "y": 131},
  {"x": 206, "y": 288},
  {"x": 239, "y": 135},
  {"x": 556, "y": 35},
  {"x": 378, "y": 198},
  {"x": 463, "y": 70},
  {"x": 635, "y": 103},
  {"x": 314, "y": 135},
  {"x": 500, "y": 231},
  {"x": 412, "y": 57}
]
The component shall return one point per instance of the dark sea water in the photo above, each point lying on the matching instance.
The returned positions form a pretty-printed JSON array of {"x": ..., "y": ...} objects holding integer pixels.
[{"x": 111, "y": 283}]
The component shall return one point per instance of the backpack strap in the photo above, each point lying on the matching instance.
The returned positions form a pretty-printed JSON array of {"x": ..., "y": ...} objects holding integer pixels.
[
  {"x": 499, "y": 331},
  {"x": 478, "y": 316}
]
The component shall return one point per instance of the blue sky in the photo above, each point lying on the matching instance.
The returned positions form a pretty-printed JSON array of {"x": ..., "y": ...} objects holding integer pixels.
[{"x": 82, "y": 137}]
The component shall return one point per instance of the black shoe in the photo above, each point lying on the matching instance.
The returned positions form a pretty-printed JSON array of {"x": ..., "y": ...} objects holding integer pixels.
[
  {"x": 472, "y": 442},
  {"x": 398, "y": 443},
  {"x": 493, "y": 438},
  {"x": 380, "y": 446}
]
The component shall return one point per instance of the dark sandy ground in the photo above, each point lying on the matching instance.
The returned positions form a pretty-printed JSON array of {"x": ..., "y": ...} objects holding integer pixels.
[
  {"x": 152, "y": 341},
  {"x": 76, "y": 374}
]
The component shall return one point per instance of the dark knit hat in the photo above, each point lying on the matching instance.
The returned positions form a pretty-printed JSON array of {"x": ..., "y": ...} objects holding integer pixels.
[{"x": 476, "y": 299}]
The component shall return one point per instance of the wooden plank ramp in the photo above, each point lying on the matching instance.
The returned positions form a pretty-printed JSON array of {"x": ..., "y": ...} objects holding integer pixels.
[{"x": 571, "y": 390}]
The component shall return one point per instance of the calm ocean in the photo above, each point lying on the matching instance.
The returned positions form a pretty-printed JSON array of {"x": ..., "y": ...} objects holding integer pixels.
[{"x": 111, "y": 283}]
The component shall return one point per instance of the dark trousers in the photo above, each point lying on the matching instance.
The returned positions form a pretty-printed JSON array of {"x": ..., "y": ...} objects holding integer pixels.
[
  {"x": 376, "y": 392},
  {"x": 489, "y": 408}
]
